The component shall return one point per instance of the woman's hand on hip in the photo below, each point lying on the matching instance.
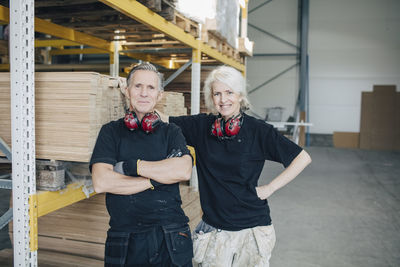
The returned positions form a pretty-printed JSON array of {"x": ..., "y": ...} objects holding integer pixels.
[{"x": 264, "y": 191}]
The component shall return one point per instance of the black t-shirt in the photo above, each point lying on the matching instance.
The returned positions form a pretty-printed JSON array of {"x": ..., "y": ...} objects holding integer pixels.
[
  {"x": 228, "y": 170},
  {"x": 144, "y": 210}
]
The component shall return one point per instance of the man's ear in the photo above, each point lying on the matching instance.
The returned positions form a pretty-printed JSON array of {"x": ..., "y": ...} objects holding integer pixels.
[{"x": 160, "y": 96}]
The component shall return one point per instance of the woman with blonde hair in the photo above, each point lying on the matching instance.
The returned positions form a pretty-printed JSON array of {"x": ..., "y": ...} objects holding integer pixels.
[{"x": 231, "y": 148}]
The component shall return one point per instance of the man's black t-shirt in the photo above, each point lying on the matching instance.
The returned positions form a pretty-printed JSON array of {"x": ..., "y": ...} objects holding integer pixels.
[
  {"x": 144, "y": 210},
  {"x": 228, "y": 170}
]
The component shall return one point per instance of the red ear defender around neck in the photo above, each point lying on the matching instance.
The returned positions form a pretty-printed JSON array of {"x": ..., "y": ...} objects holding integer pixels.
[
  {"x": 149, "y": 122},
  {"x": 232, "y": 126},
  {"x": 217, "y": 129},
  {"x": 131, "y": 120},
  {"x": 228, "y": 129}
]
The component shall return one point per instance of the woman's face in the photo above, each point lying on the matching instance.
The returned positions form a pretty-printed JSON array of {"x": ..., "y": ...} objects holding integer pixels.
[{"x": 226, "y": 101}]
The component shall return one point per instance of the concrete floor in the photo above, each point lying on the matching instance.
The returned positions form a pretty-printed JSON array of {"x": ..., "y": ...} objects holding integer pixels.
[{"x": 343, "y": 210}]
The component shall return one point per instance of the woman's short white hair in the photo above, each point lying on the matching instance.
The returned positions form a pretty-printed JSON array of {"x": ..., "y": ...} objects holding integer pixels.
[{"x": 233, "y": 79}]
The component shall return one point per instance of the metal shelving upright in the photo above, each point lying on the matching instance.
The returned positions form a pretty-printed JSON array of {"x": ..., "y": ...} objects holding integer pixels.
[
  {"x": 23, "y": 132},
  {"x": 28, "y": 205}
]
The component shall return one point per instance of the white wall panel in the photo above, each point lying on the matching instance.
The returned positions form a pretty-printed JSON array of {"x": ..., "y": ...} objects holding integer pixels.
[{"x": 353, "y": 45}]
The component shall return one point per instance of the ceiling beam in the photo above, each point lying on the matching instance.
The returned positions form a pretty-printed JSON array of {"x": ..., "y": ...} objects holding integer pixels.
[
  {"x": 55, "y": 43},
  {"x": 52, "y": 29},
  {"x": 139, "y": 12},
  {"x": 57, "y": 52},
  {"x": 68, "y": 34}
]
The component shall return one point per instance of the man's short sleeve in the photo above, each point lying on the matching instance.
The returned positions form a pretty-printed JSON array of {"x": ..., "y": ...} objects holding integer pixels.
[
  {"x": 279, "y": 148},
  {"x": 105, "y": 149},
  {"x": 177, "y": 140},
  {"x": 190, "y": 126}
]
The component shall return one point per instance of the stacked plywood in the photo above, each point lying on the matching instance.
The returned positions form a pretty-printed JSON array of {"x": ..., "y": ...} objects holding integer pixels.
[
  {"x": 70, "y": 109},
  {"x": 182, "y": 84},
  {"x": 172, "y": 104},
  {"x": 79, "y": 230},
  {"x": 4, "y": 52}
]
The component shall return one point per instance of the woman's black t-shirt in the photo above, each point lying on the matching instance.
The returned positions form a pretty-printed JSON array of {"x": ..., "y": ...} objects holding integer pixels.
[{"x": 228, "y": 170}]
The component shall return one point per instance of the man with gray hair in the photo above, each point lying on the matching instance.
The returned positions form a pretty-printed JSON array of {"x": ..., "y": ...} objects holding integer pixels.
[{"x": 138, "y": 161}]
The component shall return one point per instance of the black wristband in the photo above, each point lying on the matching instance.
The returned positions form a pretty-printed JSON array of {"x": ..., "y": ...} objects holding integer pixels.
[
  {"x": 155, "y": 183},
  {"x": 130, "y": 167}
]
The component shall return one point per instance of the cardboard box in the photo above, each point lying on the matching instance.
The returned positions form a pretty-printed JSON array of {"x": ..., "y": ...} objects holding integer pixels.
[
  {"x": 380, "y": 118},
  {"x": 246, "y": 46},
  {"x": 346, "y": 139},
  {"x": 397, "y": 122}
]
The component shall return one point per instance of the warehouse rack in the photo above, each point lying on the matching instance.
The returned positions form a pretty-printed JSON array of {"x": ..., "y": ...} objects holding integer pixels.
[{"x": 28, "y": 204}]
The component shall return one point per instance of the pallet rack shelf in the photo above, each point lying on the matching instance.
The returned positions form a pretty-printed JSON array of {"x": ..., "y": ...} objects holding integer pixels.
[{"x": 28, "y": 204}]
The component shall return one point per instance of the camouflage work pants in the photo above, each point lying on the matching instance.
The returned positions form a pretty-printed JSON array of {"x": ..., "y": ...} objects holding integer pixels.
[{"x": 220, "y": 248}]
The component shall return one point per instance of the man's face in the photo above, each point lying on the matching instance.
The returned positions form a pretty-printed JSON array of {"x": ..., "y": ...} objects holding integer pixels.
[{"x": 143, "y": 92}]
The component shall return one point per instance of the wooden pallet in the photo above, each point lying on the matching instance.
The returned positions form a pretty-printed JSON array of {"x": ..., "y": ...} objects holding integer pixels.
[
  {"x": 211, "y": 39},
  {"x": 215, "y": 41},
  {"x": 188, "y": 25},
  {"x": 246, "y": 46},
  {"x": 211, "y": 36},
  {"x": 166, "y": 9},
  {"x": 154, "y": 5}
]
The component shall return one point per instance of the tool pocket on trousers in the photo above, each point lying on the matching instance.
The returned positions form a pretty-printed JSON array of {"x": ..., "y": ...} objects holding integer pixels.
[
  {"x": 179, "y": 244},
  {"x": 200, "y": 245},
  {"x": 265, "y": 239},
  {"x": 116, "y": 248}
]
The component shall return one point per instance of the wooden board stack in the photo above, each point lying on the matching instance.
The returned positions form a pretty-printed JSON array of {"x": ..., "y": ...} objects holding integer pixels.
[
  {"x": 70, "y": 109},
  {"x": 79, "y": 230},
  {"x": 182, "y": 84},
  {"x": 172, "y": 104},
  {"x": 4, "y": 58}
]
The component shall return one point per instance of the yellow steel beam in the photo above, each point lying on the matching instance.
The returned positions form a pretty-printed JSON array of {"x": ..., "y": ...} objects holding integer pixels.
[
  {"x": 33, "y": 224},
  {"x": 77, "y": 51},
  {"x": 49, "y": 201},
  {"x": 193, "y": 153},
  {"x": 206, "y": 49},
  {"x": 5, "y": 67},
  {"x": 144, "y": 15},
  {"x": 4, "y": 15},
  {"x": 166, "y": 63},
  {"x": 76, "y": 37},
  {"x": 71, "y": 35},
  {"x": 140, "y": 13},
  {"x": 47, "y": 27},
  {"x": 55, "y": 43}
]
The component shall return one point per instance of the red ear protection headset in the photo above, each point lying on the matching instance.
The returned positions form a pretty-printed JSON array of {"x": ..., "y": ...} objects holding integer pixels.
[
  {"x": 227, "y": 129},
  {"x": 149, "y": 122}
]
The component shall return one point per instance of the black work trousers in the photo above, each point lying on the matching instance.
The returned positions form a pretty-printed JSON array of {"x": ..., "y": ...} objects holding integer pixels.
[{"x": 164, "y": 246}]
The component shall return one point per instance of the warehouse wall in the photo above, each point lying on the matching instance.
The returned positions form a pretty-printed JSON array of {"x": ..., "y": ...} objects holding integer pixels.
[
  {"x": 279, "y": 18},
  {"x": 353, "y": 45}
]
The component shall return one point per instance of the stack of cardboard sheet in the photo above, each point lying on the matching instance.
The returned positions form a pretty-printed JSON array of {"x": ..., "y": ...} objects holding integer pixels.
[
  {"x": 172, "y": 104},
  {"x": 182, "y": 84},
  {"x": 70, "y": 109}
]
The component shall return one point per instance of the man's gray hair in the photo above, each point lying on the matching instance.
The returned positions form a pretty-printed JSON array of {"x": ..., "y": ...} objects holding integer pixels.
[{"x": 150, "y": 67}]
